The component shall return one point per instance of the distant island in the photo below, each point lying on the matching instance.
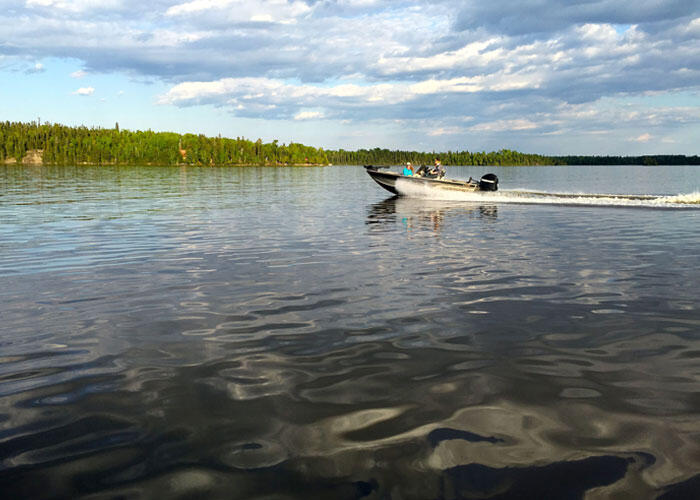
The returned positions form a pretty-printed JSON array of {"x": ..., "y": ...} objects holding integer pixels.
[{"x": 37, "y": 143}]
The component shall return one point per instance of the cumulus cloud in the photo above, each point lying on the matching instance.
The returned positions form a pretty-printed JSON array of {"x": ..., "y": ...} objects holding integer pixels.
[
  {"x": 84, "y": 91},
  {"x": 269, "y": 97},
  {"x": 252, "y": 96}
]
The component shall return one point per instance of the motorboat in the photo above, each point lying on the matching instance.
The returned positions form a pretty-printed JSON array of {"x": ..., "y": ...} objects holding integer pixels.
[{"x": 388, "y": 179}]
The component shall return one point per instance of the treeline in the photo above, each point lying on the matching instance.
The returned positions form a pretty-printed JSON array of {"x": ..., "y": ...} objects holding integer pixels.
[
  {"x": 627, "y": 160},
  {"x": 58, "y": 144},
  {"x": 379, "y": 156},
  {"x": 62, "y": 145},
  {"x": 504, "y": 157}
]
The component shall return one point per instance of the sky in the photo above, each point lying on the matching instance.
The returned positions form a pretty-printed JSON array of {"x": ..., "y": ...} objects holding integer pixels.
[{"x": 608, "y": 77}]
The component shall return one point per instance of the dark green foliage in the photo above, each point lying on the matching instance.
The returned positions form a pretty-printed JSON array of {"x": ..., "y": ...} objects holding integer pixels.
[
  {"x": 627, "y": 160},
  {"x": 504, "y": 157},
  {"x": 64, "y": 145},
  {"x": 379, "y": 156}
]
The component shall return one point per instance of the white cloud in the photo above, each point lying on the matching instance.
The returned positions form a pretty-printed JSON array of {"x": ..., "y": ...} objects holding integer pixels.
[
  {"x": 262, "y": 18},
  {"x": 263, "y": 89},
  {"x": 433, "y": 86},
  {"x": 308, "y": 115},
  {"x": 359, "y": 3},
  {"x": 269, "y": 11},
  {"x": 233, "y": 90},
  {"x": 435, "y": 132},
  {"x": 197, "y": 6},
  {"x": 646, "y": 137},
  {"x": 84, "y": 91},
  {"x": 74, "y": 5},
  {"x": 175, "y": 37},
  {"x": 78, "y": 74},
  {"x": 504, "y": 126},
  {"x": 475, "y": 54}
]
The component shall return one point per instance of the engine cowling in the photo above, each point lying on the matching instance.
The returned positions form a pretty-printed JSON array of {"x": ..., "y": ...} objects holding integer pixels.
[{"x": 488, "y": 182}]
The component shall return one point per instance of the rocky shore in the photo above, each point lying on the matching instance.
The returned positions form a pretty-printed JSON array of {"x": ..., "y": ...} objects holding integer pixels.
[{"x": 33, "y": 157}]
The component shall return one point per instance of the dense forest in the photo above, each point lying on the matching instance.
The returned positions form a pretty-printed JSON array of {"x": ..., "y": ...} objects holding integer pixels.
[
  {"x": 626, "y": 160},
  {"x": 387, "y": 157},
  {"x": 62, "y": 145},
  {"x": 55, "y": 144}
]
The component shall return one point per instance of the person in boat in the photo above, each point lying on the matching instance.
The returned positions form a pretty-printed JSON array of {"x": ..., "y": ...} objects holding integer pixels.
[
  {"x": 408, "y": 169},
  {"x": 438, "y": 169}
]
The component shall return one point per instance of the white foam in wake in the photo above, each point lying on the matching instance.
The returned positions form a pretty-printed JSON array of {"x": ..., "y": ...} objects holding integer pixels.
[
  {"x": 685, "y": 199},
  {"x": 428, "y": 191}
]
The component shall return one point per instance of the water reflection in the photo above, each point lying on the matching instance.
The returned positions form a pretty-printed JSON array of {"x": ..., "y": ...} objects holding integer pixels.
[
  {"x": 418, "y": 214},
  {"x": 370, "y": 421}
]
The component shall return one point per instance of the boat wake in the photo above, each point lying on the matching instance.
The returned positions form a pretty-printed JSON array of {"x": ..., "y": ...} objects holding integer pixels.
[{"x": 413, "y": 190}]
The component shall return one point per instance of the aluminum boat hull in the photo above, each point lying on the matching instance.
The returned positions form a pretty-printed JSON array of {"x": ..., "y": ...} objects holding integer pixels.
[{"x": 387, "y": 180}]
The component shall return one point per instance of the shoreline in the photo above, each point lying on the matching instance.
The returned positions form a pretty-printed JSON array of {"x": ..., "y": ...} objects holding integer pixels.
[{"x": 35, "y": 158}]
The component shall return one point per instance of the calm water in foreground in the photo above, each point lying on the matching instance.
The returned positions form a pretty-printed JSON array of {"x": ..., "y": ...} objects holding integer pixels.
[{"x": 296, "y": 333}]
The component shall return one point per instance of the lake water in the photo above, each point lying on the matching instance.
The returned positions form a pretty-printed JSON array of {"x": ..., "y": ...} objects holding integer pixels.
[{"x": 297, "y": 333}]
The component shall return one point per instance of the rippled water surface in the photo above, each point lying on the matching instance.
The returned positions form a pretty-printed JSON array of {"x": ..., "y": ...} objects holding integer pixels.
[{"x": 296, "y": 333}]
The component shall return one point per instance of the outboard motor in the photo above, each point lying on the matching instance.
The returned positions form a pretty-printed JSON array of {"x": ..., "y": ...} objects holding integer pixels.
[{"x": 488, "y": 182}]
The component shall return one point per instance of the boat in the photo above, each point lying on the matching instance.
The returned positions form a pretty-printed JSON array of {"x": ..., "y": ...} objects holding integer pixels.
[{"x": 387, "y": 179}]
